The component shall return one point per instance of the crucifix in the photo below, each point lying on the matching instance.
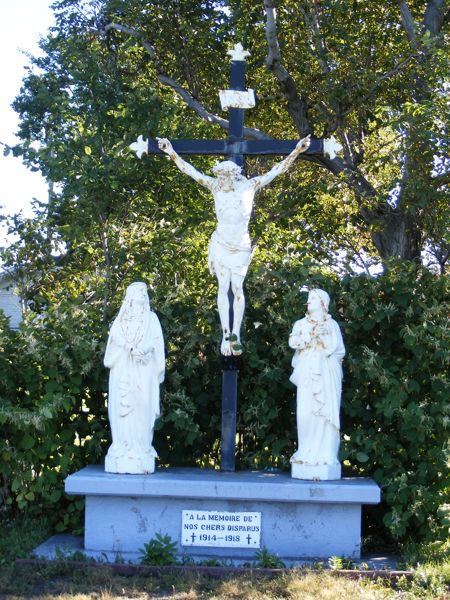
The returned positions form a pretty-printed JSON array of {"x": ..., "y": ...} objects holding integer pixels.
[{"x": 229, "y": 251}]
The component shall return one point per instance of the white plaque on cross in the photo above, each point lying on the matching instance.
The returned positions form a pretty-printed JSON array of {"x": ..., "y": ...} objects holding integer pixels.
[{"x": 237, "y": 99}]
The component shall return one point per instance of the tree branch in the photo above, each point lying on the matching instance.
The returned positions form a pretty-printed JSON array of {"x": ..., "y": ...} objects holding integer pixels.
[
  {"x": 408, "y": 23},
  {"x": 312, "y": 22},
  {"x": 394, "y": 71},
  {"x": 434, "y": 16},
  {"x": 8, "y": 148},
  {"x": 357, "y": 254},
  {"x": 440, "y": 180},
  {"x": 297, "y": 106},
  {"x": 164, "y": 79},
  {"x": 316, "y": 39}
]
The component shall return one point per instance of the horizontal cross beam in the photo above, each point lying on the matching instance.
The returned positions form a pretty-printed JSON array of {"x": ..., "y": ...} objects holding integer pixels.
[{"x": 239, "y": 147}]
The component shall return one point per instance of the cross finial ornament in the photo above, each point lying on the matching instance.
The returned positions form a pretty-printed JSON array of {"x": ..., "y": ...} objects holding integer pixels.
[
  {"x": 238, "y": 52},
  {"x": 331, "y": 147},
  {"x": 140, "y": 146}
]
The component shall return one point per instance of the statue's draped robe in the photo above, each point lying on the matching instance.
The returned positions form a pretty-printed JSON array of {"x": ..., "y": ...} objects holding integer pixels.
[
  {"x": 318, "y": 376},
  {"x": 133, "y": 402}
]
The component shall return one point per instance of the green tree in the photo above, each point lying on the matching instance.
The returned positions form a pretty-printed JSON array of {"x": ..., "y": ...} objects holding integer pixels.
[
  {"x": 112, "y": 218},
  {"x": 376, "y": 75}
]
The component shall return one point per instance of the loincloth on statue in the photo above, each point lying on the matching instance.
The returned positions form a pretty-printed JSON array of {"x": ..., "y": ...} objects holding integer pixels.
[{"x": 231, "y": 257}]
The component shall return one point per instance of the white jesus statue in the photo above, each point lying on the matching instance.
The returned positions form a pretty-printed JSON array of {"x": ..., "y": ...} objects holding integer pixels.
[{"x": 230, "y": 249}]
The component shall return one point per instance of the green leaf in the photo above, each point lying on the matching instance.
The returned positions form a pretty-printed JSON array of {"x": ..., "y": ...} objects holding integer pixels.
[
  {"x": 16, "y": 485},
  {"x": 47, "y": 412},
  {"x": 27, "y": 442},
  {"x": 55, "y": 495},
  {"x": 362, "y": 457}
]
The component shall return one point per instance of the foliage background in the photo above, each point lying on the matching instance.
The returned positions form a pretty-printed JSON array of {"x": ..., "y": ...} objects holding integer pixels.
[
  {"x": 394, "y": 409},
  {"x": 111, "y": 220}
]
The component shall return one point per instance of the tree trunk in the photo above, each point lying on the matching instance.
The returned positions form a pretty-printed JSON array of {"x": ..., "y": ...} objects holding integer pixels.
[{"x": 397, "y": 235}]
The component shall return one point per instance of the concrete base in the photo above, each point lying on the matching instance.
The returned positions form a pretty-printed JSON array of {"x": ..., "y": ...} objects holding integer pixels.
[
  {"x": 130, "y": 466},
  {"x": 299, "y": 519},
  {"x": 316, "y": 472},
  {"x": 69, "y": 547}
]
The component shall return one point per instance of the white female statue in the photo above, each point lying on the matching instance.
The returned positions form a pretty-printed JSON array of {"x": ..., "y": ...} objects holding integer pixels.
[
  {"x": 317, "y": 364},
  {"x": 135, "y": 357},
  {"x": 230, "y": 249}
]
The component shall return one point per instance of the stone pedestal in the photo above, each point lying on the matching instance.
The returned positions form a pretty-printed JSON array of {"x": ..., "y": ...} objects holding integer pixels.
[
  {"x": 316, "y": 472},
  {"x": 143, "y": 465},
  {"x": 299, "y": 519}
]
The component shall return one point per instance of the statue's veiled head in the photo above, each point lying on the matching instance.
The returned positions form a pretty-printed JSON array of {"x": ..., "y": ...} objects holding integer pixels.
[
  {"x": 136, "y": 298},
  {"x": 318, "y": 302}
]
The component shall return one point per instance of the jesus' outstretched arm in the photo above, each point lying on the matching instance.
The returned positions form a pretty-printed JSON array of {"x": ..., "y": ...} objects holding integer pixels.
[
  {"x": 184, "y": 166},
  {"x": 281, "y": 167}
]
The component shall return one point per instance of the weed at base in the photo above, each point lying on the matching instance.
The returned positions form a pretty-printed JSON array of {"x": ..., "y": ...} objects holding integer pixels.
[{"x": 160, "y": 550}]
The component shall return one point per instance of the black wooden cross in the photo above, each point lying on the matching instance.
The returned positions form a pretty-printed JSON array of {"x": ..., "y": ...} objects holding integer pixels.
[{"x": 235, "y": 148}]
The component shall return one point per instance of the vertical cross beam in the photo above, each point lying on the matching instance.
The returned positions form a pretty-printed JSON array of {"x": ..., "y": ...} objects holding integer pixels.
[
  {"x": 236, "y": 115},
  {"x": 231, "y": 364},
  {"x": 230, "y": 371}
]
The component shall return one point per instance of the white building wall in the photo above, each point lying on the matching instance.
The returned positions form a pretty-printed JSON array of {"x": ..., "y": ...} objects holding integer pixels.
[{"x": 10, "y": 303}]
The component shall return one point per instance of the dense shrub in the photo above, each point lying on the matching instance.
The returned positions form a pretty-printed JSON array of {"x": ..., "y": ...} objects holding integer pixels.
[
  {"x": 52, "y": 411},
  {"x": 395, "y": 402}
]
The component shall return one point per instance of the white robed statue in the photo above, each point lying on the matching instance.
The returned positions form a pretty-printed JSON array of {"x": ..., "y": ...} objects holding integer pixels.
[
  {"x": 317, "y": 373},
  {"x": 135, "y": 357}
]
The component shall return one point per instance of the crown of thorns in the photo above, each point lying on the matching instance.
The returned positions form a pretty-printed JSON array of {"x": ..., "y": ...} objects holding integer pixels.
[{"x": 227, "y": 166}]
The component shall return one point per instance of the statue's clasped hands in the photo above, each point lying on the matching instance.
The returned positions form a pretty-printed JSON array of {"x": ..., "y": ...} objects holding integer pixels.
[
  {"x": 319, "y": 331},
  {"x": 142, "y": 355}
]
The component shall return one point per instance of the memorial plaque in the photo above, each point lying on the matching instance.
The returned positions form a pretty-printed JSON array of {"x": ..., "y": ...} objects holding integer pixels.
[{"x": 221, "y": 529}]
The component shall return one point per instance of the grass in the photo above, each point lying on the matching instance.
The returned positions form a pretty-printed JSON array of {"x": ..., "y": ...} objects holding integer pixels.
[
  {"x": 18, "y": 537},
  {"x": 63, "y": 581}
]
